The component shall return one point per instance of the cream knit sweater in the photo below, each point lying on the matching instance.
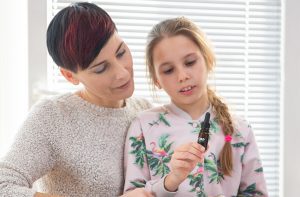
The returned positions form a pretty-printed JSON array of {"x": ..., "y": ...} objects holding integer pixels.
[{"x": 73, "y": 147}]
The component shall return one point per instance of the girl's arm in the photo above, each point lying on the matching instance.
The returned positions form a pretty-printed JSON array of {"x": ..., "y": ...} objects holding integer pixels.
[
  {"x": 252, "y": 181},
  {"x": 137, "y": 172},
  {"x": 184, "y": 160}
]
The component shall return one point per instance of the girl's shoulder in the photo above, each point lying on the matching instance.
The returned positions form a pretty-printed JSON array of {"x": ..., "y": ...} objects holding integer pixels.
[
  {"x": 241, "y": 126},
  {"x": 151, "y": 114},
  {"x": 139, "y": 103}
]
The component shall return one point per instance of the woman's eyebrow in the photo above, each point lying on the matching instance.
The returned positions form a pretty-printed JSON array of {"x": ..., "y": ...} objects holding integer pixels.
[
  {"x": 119, "y": 47},
  {"x": 97, "y": 64}
]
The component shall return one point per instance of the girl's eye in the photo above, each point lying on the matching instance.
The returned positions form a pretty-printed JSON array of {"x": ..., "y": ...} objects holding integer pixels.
[
  {"x": 121, "y": 53},
  {"x": 190, "y": 63},
  {"x": 168, "y": 71},
  {"x": 100, "y": 69}
]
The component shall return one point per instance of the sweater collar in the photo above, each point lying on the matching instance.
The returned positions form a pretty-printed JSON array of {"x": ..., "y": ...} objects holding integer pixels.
[{"x": 182, "y": 114}]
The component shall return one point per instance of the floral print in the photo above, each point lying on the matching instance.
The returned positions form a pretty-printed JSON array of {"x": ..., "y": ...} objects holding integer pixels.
[{"x": 155, "y": 134}]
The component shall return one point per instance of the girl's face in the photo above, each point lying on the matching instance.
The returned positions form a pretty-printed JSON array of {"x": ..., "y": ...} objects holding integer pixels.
[
  {"x": 181, "y": 71},
  {"x": 109, "y": 78}
]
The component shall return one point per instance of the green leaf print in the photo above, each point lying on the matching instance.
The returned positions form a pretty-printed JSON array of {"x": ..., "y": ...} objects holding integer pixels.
[
  {"x": 240, "y": 144},
  {"x": 238, "y": 134},
  {"x": 161, "y": 118},
  {"x": 259, "y": 170},
  {"x": 196, "y": 181},
  {"x": 213, "y": 167},
  {"x": 162, "y": 141},
  {"x": 242, "y": 157},
  {"x": 139, "y": 150},
  {"x": 138, "y": 183},
  {"x": 214, "y": 125},
  {"x": 160, "y": 156},
  {"x": 249, "y": 191}
]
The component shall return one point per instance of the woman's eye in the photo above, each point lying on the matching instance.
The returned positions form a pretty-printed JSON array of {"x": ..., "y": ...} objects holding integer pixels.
[
  {"x": 100, "y": 69},
  {"x": 120, "y": 54}
]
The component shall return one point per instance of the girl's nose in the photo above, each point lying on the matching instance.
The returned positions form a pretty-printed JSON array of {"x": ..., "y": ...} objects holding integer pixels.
[{"x": 182, "y": 75}]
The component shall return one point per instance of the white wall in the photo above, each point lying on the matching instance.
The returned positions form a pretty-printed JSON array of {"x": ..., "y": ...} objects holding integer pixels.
[
  {"x": 13, "y": 69},
  {"x": 37, "y": 54},
  {"x": 291, "y": 116}
]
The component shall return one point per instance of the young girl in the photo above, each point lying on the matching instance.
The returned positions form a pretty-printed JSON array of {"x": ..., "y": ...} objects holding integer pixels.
[{"x": 161, "y": 152}]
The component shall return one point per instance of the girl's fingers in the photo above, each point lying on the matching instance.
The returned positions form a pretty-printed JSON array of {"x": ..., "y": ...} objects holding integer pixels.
[
  {"x": 182, "y": 164},
  {"x": 184, "y": 150},
  {"x": 191, "y": 146},
  {"x": 187, "y": 156}
]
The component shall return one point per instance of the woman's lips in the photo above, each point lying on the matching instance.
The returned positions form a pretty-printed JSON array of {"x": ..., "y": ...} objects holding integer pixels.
[{"x": 124, "y": 86}]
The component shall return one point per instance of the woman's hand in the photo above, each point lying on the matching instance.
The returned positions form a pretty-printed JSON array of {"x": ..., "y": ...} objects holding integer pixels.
[
  {"x": 183, "y": 161},
  {"x": 141, "y": 192}
]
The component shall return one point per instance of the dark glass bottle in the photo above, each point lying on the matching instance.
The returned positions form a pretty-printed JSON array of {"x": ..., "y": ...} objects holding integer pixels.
[{"x": 204, "y": 132}]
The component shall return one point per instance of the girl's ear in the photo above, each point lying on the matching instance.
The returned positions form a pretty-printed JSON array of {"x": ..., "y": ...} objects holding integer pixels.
[
  {"x": 69, "y": 75},
  {"x": 156, "y": 83}
]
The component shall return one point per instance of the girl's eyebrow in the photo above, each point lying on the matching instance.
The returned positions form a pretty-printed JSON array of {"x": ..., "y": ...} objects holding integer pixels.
[
  {"x": 168, "y": 63},
  {"x": 97, "y": 64}
]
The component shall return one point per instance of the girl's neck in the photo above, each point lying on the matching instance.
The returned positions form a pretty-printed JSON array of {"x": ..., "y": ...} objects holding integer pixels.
[{"x": 195, "y": 110}]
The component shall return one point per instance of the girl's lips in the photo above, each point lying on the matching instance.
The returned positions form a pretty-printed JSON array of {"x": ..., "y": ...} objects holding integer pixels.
[{"x": 187, "y": 90}]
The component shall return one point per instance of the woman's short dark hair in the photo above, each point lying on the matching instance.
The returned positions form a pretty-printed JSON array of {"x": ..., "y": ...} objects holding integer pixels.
[{"x": 77, "y": 33}]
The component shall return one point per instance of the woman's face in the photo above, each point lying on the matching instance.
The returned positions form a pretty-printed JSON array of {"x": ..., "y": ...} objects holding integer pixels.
[{"x": 109, "y": 78}]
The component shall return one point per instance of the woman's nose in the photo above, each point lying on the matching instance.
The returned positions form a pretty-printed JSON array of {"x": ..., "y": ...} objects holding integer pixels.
[{"x": 121, "y": 71}]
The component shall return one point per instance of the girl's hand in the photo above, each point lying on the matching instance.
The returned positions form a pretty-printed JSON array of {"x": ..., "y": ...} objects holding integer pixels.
[
  {"x": 138, "y": 192},
  {"x": 183, "y": 161}
]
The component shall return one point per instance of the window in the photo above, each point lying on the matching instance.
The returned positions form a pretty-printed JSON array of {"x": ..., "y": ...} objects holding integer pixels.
[{"x": 246, "y": 35}]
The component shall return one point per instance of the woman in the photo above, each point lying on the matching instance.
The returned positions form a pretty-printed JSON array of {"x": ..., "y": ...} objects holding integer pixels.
[{"x": 74, "y": 142}]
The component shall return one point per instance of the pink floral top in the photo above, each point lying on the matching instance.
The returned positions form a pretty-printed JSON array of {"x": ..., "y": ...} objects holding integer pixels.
[{"x": 155, "y": 133}]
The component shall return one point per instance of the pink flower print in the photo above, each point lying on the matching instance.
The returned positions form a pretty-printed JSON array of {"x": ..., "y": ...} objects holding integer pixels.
[{"x": 158, "y": 151}]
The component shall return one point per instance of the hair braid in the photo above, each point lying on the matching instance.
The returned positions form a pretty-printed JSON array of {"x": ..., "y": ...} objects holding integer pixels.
[{"x": 224, "y": 119}]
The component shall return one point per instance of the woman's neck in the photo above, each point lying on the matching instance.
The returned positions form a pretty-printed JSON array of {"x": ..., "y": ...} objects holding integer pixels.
[{"x": 95, "y": 100}]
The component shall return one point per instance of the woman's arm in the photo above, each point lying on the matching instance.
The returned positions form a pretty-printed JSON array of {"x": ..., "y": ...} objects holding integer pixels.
[
  {"x": 44, "y": 195},
  {"x": 30, "y": 157}
]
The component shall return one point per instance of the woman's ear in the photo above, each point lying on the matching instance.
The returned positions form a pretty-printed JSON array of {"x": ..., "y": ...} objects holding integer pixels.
[{"x": 69, "y": 75}]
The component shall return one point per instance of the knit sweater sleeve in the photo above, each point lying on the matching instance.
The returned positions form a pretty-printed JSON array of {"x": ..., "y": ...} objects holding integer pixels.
[{"x": 31, "y": 155}]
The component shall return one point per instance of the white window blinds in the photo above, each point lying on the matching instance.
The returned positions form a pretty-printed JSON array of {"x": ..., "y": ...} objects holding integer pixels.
[{"x": 246, "y": 35}]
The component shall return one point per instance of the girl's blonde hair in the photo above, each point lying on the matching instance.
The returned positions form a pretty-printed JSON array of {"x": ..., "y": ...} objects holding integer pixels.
[{"x": 183, "y": 26}]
